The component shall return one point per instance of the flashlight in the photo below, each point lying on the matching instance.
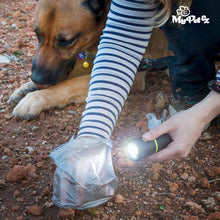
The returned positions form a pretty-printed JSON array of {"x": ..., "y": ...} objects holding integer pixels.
[{"x": 138, "y": 148}]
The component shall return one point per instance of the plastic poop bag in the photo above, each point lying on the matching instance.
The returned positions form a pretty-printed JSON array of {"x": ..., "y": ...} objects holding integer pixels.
[
  {"x": 153, "y": 122},
  {"x": 84, "y": 176}
]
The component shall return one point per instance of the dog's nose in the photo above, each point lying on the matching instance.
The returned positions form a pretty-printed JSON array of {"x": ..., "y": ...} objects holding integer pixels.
[{"x": 42, "y": 76}]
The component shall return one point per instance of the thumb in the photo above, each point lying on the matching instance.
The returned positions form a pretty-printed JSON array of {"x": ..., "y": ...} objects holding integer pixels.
[{"x": 156, "y": 132}]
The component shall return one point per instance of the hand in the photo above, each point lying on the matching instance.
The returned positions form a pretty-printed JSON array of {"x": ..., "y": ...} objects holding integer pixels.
[{"x": 184, "y": 128}]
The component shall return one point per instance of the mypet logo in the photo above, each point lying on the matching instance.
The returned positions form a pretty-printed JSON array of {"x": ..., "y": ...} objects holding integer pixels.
[
  {"x": 183, "y": 11},
  {"x": 183, "y": 16}
]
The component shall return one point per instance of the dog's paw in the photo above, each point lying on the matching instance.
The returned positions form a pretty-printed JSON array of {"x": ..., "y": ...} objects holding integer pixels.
[
  {"x": 22, "y": 91},
  {"x": 30, "y": 106}
]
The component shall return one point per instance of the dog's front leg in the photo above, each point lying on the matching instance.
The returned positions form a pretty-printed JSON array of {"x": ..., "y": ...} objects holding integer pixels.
[
  {"x": 72, "y": 90},
  {"x": 139, "y": 84},
  {"x": 22, "y": 91}
]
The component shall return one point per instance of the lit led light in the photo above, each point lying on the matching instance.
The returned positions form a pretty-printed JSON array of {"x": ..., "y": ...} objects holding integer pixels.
[
  {"x": 132, "y": 151},
  {"x": 138, "y": 148}
]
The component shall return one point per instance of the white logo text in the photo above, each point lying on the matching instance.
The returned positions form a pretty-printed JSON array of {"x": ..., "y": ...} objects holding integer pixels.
[{"x": 183, "y": 16}]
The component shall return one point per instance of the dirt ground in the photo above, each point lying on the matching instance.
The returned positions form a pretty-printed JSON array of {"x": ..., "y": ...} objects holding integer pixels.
[{"x": 179, "y": 189}]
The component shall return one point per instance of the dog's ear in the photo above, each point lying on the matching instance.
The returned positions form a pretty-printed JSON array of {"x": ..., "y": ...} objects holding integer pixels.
[{"x": 97, "y": 7}]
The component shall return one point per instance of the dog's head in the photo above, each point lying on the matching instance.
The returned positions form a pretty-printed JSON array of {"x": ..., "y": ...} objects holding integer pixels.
[{"x": 64, "y": 28}]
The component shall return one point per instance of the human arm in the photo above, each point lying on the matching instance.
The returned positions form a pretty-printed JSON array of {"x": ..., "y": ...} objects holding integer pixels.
[
  {"x": 185, "y": 128},
  {"x": 120, "y": 50},
  {"x": 82, "y": 178}
]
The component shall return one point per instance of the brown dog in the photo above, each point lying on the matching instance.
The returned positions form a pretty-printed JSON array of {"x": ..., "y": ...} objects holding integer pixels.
[{"x": 64, "y": 28}]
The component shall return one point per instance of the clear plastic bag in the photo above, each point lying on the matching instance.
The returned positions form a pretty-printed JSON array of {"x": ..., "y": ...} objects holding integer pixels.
[
  {"x": 153, "y": 122},
  {"x": 84, "y": 176}
]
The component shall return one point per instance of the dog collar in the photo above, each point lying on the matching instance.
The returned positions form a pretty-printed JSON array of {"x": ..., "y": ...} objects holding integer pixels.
[{"x": 88, "y": 58}]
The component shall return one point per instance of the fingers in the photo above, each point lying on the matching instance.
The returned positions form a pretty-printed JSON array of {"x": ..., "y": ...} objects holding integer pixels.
[
  {"x": 184, "y": 128},
  {"x": 164, "y": 128},
  {"x": 167, "y": 154},
  {"x": 173, "y": 151}
]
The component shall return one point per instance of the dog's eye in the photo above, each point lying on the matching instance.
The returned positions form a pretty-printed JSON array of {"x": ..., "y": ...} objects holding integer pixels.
[
  {"x": 38, "y": 37},
  {"x": 37, "y": 32},
  {"x": 63, "y": 42}
]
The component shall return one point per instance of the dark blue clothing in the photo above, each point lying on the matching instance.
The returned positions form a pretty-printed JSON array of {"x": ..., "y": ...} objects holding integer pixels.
[{"x": 195, "y": 47}]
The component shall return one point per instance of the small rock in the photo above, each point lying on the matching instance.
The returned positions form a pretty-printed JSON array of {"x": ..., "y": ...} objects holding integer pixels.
[
  {"x": 16, "y": 174},
  {"x": 45, "y": 191},
  {"x": 34, "y": 193},
  {"x": 30, "y": 169},
  {"x": 2, "y": 184},
  {"x": 173, "y": 187},
  {"x": 27, "y": 157},
  {"x": 195, "y": 207},
  {"x": 69, "y": 128},
  {"x": 4, "y": 157},
  {"x": 71, "y": 112},
  {"x": 204, "y": 183},
  {"x": 35, "y": 210},
  {"x": 17, "y": 14},
  {"x": 48, "y": 204},
  {"x": 16, "y": 193},
  {"x": 7, "y": 151},
  {"x": 67, "y": 214},
  {"x": 40, "y": 164},
  {"x": 29, "y": 150},
  {"x": 93, "y": 211},
  {"x": 184, "y": 176},
  {"x": 110, "y": 204},
  {"x": 34, "y": 176},
  {"x": 21, "y": 200},
  {"x": 191, "y": 179},
  {"x": 217, "y": 170},
  {"x": 210, "y": 172},
  {"x": 119, "y": 198},
  {"x": 13, "y": 161},
  {"x": 214, "y": 216},
  {"x": 216, "y": 195},
  {"x": 106, "y": 217},
  {"x": 8, "y": 116},
  {"x": 4, "y": 23},
  {"x": 161, "y": 101},
  {"x": 14, "y": 26},
  {"x": 205, "y": 136},
  {"x": 172, "y": 195},
  {"x": 15, "y": 208},
  {"x": 138, "y": 213},
  {"x": 209, "y": 203},
  {"x": 137, "y": 193},
  {"x": 153, "y": 172},
  {"x": 3, "y": 208},
  {"x": 192, "y": 192}
]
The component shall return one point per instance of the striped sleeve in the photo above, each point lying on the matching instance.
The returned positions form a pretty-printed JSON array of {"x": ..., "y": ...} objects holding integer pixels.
[
  {"x": 122, "y": 45},
  {"x": 215, "y": 84}
]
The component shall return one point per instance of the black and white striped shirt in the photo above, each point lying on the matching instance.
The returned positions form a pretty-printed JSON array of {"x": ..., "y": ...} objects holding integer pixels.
[{"x": 122, "y": 45}]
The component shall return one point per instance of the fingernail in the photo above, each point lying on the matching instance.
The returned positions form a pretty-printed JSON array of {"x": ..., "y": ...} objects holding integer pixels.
[{"x": 147, "y": 136}]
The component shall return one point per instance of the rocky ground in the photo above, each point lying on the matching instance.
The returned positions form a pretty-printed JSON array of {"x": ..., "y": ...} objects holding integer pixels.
[{"x": 179, "y": 189}]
